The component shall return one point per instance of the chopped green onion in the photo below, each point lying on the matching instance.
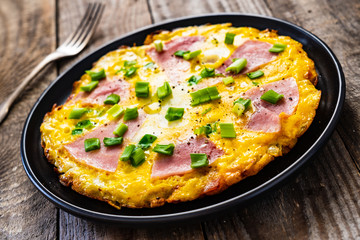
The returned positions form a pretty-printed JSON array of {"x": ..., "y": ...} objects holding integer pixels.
[
  {"x": 227, "y": 130},
  {"x": 255, "y": 74},
  {"x": 228, "y": 80},
  {"x": 164, "y": 90},
  {"x": 278, "y": 47},
  {"x": 112, "y": 99},
  {"x": 204, "y": 95},
  {"x": 130, "y": 72},
  {"x": 271, "y": 96},
  {"x": 76, "y": 131},
  {"x": 164, "y": 149},
  {"x": 158, "y": 45},
  {"x": 112, "y": 141},
  {"x": 125, "y": 156},
  {"x": 129, "y": 63},
  {"x": 207, "y": 72},
  {"x": 245, "y": 102},
  {"x": 91, "y": 144},
  {"x": 149, "y": 65},
  {"x": 206, "y": 111},
  {"x": 198, "y": 160},
  {"x": 142, "y": 89},
  {"x": 237, "y": 65},
  {"x": 206, "y": 129},
  {"x": 131, "y": 113},
  {"x": 84, "y": 124},
  {"x": 146, "y": 141},
  {"x": 137, "y": 157},
  {"x": 238, "y": 109},
  {"x": 90, "y": 86},
  {"x": 76, "y": 113},
  {"x": 191, "y": 55},
  {"x": 255, "y": 83},
  {"x": 95, "y": 76},
  {"x": 229, "y": 38},
  {"x": 115, "y": 111},
  {"x": 173, "y": 114},
  {"x": 180, "y": 53},
  {"x": 120, "y": 129},
  {"x": 194, "y": 80}
]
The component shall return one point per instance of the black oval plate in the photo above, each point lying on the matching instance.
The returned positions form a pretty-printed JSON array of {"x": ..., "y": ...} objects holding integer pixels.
[{"x": 331, "y": 83}]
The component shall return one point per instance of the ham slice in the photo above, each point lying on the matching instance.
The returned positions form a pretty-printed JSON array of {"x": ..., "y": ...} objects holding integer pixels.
[
  {"x": 105, "y": 158},
  {"x": 180, "y": 163},
  {"x": 255, "y": 52},
  {"x": 173, "y": 66},
  {"x": 104, "y": 89},
  {"x": 266, "y": 116}
]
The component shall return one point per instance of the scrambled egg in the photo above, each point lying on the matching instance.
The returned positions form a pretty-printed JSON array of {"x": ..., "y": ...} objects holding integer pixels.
[{"x": 243, "y": 156}]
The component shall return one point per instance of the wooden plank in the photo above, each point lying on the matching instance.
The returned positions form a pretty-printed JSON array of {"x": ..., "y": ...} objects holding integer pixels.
[{"x": 27, "y": 34}]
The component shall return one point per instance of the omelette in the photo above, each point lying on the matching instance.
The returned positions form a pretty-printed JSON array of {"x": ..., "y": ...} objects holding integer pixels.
[{"x": 188, "y": 114}]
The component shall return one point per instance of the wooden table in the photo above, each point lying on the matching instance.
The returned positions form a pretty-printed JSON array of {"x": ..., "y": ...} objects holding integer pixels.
[{"x": 323, "y": 201}]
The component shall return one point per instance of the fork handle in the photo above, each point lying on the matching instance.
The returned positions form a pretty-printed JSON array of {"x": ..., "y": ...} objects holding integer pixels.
[{"x": 5, "y": 105}]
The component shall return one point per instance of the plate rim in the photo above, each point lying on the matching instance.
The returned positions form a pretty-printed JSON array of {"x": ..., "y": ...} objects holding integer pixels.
[{"x": 207, "y": 210}]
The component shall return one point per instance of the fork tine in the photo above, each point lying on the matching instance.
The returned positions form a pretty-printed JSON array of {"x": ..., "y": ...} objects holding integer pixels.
[
  {"x": 83, "y": 20},
  {"x": 83, "y": 26},
  {"x": 84, "y": 39}
]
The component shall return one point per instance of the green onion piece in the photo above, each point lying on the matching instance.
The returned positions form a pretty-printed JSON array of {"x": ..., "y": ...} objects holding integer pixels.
[
  {"x": 84, "y": 124},
  {"x": 149, "y": 65},
  {"x": 76, "y": 131},
  {"x": 255, "y": 74},
  {"x": 204, "y": 95},
  {"x": 271, "y": 96},
  {"x": 164, "y": 149},
  {"x": 229, "y": 38},
  {"x": 227, "y": 130},
  {"x": 90, "y": 86},
  {"x": 137, "y": 157},
  {"x": 207, "y": 72},
  {"x": 112, "y": 141},
  {"x": 194, "y": 80},
  {"x": 158, "y": 45},
  {"x": 95, "y": 76},
  {"x": 131, "y": 113},
  {"x": 238, "y": 109},
  {"x": 129, "y": 63},
  {"x": 191, "y": 55},
  {"x": 207, "y": 129},
  {"x": 164, "y": 90},
  {"x": 125, "y": 156},
  {"x": 213, "y": 93},
  {"x": 130, "y": 72},
  {"x": 115, "y": 111},
  {"x": 198, "y": 160},
  {"x": 278, "y": 47},
  {"x": 91, "y": 144},
  {"x": 206, "y": 111},
  {"x": 255, "y": 83},
  {"x": 120, "y": 129},
  {"x": 146, "y": 141},
  {"x": 142, "y": 89},
  {"x": 245, "y": 102},
  {"x": 173, "y": 113},
  {"x": 180, "y": 53},
  {"x": 76, "y": 113},
  {"x": 228, "y": 80},
  {"x": 237, "y": 65},
  {"x": 112, "y": 99}
]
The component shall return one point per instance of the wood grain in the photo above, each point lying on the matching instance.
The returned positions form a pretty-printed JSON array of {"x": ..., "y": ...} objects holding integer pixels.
[{"x": 27, "y": 34}]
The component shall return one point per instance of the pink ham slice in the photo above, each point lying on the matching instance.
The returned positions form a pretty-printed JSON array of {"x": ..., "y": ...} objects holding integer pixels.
[
  {"x": 104, "y": 89},
  {"x": 266, "y": 116},
  {"x": 180, "y": 163},
  {"x": 173, "y": 66},
  {"x": 255, "y": 52},
  {"x": 106, "y": 158}
]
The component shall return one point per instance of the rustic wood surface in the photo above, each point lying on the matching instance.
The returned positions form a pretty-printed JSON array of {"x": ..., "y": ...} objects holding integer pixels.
[{"x": 322, "y": 202}]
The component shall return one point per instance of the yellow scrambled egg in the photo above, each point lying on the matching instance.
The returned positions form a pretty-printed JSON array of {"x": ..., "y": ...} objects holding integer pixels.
[{"x": 243, "y": 156}]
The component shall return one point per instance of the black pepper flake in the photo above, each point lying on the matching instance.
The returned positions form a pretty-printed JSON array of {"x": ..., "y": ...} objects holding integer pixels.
[
  {"x": 182, "y": 89},
  {"x": 173, "y": 87},
  {"x": 230, "y": 96},
  {"x": 192, "y": 137},
  {"x": 138, "y": 125},
  {"x": 188, "y": 143},
  {"x": 290, "y": 98},
  {"x": 105, "y": 124}
]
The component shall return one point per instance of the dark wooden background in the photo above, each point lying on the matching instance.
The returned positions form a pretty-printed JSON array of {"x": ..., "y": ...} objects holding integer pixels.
[{"x": 323, "y": 201}]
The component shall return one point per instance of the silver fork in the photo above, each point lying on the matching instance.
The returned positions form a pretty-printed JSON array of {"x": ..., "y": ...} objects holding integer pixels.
[{"x": 72, "y": 46}]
